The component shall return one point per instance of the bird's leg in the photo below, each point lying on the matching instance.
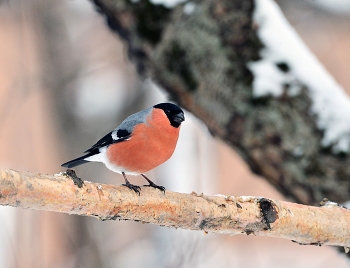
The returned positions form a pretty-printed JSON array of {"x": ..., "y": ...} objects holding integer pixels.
[
  {"x": 152, "y": 184},
  {"x": 131, "y": 186}
]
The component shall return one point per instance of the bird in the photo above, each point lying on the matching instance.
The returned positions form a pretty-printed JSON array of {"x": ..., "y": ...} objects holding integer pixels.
[{"x": 142, "y": 142}]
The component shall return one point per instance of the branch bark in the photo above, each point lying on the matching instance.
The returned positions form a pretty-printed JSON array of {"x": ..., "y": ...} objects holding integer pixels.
[{"x": 326, "y": 225}]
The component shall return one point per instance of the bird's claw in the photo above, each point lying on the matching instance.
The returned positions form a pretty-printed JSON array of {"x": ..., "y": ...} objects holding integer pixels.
[
  {"x": 152, "y": 184},
  {"x": 133, "y": 187}
]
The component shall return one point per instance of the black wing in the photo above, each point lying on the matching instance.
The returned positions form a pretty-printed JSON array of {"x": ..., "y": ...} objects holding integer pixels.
[{"x": 112, "y": 137}]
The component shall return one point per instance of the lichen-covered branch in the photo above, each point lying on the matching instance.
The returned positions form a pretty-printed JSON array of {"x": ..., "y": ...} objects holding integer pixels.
[{"x": 327, "y": 225}]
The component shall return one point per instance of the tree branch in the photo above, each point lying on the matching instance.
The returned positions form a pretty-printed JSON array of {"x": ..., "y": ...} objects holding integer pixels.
[{"x": 217, "y": 214}]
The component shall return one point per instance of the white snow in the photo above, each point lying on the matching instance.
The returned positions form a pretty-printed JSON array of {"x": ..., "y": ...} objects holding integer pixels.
[
  {"x": 330, "y": 102},
  {"x": 167, "y": 3},
  {"x": 268, "y": 78}
]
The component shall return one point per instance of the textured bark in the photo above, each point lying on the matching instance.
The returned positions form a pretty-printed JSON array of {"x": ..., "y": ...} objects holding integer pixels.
[
  {"x": 327, "y": 225},
  {"x": 201, "y": 60}
]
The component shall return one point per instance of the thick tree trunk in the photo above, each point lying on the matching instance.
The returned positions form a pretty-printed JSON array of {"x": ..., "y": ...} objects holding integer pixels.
[{"x": 199, "y": 53}]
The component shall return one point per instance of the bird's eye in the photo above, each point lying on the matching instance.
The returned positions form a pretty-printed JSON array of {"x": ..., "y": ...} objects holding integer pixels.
[{"x": 167, "y": 111}]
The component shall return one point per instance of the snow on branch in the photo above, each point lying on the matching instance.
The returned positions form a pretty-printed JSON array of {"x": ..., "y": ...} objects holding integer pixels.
[
  {"x": 326, "y": 225},
  {"x": 286, "y": 60}
]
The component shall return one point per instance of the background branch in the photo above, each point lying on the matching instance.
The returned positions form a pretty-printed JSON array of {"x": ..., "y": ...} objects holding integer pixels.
[{"x": 218, "y": 214}]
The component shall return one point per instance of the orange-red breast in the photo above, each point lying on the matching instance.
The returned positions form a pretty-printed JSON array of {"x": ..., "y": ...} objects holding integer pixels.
[{"x": 140, "y": 143}]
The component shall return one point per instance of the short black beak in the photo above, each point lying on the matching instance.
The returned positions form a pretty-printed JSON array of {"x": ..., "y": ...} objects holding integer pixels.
[{"x": 178, "y": 118}]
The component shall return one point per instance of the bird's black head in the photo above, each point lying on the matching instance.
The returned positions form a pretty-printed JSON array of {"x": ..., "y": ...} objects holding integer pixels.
[{"x": 173, "y": 112}]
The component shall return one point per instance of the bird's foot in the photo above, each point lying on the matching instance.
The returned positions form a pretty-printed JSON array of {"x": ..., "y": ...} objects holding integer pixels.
[
  {"x": 152, "y": 184},
  {"x": 77, "y": 181},
  {"x": 133, "y": 187}
]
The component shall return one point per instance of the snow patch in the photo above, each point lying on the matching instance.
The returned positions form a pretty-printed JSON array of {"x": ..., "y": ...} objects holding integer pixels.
[
  {"x": 167, "y": 3},
  {"x": 189, "y": 8},
  {"x": 269, "y": 80},
  {"x": 283, "y": 45}
]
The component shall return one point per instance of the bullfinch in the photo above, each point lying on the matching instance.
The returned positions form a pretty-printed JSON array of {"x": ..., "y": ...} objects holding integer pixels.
[{"x": 140, "y": 143}]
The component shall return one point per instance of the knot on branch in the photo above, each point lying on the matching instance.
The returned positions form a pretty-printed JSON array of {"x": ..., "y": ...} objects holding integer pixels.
[{"x": 268, "y": 211}]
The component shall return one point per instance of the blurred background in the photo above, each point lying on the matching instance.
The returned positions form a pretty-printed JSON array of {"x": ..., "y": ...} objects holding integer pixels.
[{"x": 65, "y": 81}]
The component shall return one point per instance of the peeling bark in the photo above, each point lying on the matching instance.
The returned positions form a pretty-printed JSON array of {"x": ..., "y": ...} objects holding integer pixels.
[{"x": 328, "y": 225}]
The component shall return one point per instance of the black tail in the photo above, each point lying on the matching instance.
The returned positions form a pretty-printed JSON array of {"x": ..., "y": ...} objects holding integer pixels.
[{"x": 79, "y": 161}]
